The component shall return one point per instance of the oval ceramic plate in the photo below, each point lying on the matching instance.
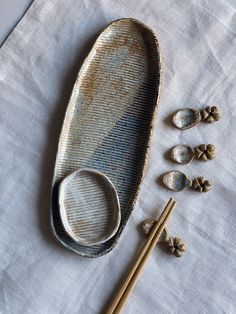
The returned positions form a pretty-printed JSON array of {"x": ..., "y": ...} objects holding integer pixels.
[{"x": 108, "y": 121}]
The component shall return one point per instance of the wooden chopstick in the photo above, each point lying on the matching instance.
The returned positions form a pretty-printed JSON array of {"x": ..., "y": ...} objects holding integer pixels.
[{"x": 129, "y": 283}]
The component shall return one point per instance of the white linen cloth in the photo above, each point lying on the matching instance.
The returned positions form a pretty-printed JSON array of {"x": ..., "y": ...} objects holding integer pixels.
[{"x": 38, "y": 66}]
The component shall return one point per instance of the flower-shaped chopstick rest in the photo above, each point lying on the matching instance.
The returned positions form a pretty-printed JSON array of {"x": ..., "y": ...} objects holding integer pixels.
[
  {"x": 178, "y": 181},
  {"x": 183, "y": 154},
  {"x": 186, "y": 118},
  {"x": 175, "y": 245}
]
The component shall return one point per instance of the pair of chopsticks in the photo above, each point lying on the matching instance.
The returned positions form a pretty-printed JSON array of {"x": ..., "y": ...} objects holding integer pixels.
[{"x": 121, "y": 297}]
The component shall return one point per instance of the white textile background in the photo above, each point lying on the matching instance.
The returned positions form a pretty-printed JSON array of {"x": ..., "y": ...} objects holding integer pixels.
[{"x": 38, "y": 66}]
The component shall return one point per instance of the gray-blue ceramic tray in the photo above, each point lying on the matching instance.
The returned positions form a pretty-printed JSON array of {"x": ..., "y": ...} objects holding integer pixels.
[{"x": 107, "y": 130}]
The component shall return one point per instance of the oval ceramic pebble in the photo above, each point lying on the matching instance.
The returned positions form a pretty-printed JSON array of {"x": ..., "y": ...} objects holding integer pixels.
[
  {"x": 107, "y": 128},
  {"x": 176, "y": 181},
  {"x": 182, "y": 154},
  {"x": 89, "y": 207},
  {"x": 186, "y": 118}
]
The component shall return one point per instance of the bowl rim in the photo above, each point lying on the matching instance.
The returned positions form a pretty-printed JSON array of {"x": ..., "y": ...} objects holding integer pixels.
[{"x": 62, "y": 210}]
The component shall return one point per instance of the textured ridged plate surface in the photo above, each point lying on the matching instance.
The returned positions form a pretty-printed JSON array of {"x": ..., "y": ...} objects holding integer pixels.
[
  {"x": 109, "y": 119},
  {"x": 89, "y": 207}
]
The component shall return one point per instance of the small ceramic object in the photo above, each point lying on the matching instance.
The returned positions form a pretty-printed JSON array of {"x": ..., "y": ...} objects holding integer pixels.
[
  {"x": 201, "y": 184},
  {"x": 89, "y": 207},
  {"x": 205, "y": 152},
  {"x": 183, "y": 154},
  {"x": 147, "y": 225},
  {"x": 174, "y": 244},
  {"x": 107, "y": 129},
  {"x": 186, "y": 118},
  {"x": 177, "y": 181}
]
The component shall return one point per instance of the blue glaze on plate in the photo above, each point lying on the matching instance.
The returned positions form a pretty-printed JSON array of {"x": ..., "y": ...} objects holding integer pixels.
[{"x": 108, "y": 121}]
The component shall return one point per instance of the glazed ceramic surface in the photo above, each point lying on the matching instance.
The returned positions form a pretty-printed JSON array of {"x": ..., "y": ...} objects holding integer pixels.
[
  {"x": 182, "y": 154},
  {"x": 108, "y": 121},
  {"x": 186, "y": 118},
  {"x": 176, "y": 181},
  {"x": 89, "y": 217}
]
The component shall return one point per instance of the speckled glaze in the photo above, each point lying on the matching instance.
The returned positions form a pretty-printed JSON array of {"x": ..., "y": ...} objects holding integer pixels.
[
  {"x": 176, "y": 181},
  {"x": 108, "y": 121},
  {"x": 182, "y": 154},
  {"x": 89, "y": 218},
  {"x": 186, "y": 118}
]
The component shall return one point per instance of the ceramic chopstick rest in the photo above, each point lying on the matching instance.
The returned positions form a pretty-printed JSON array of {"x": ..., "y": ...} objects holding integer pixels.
[
  {"x": 174, "y": 244},
  {"x": 178, "y": 181},
  {"x": 183, "y": 154},
  {"x": 186, "y": 118}
]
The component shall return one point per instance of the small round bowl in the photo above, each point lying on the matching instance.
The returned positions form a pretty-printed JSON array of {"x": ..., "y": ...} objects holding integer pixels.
[{"x": 89, "y": 207}]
